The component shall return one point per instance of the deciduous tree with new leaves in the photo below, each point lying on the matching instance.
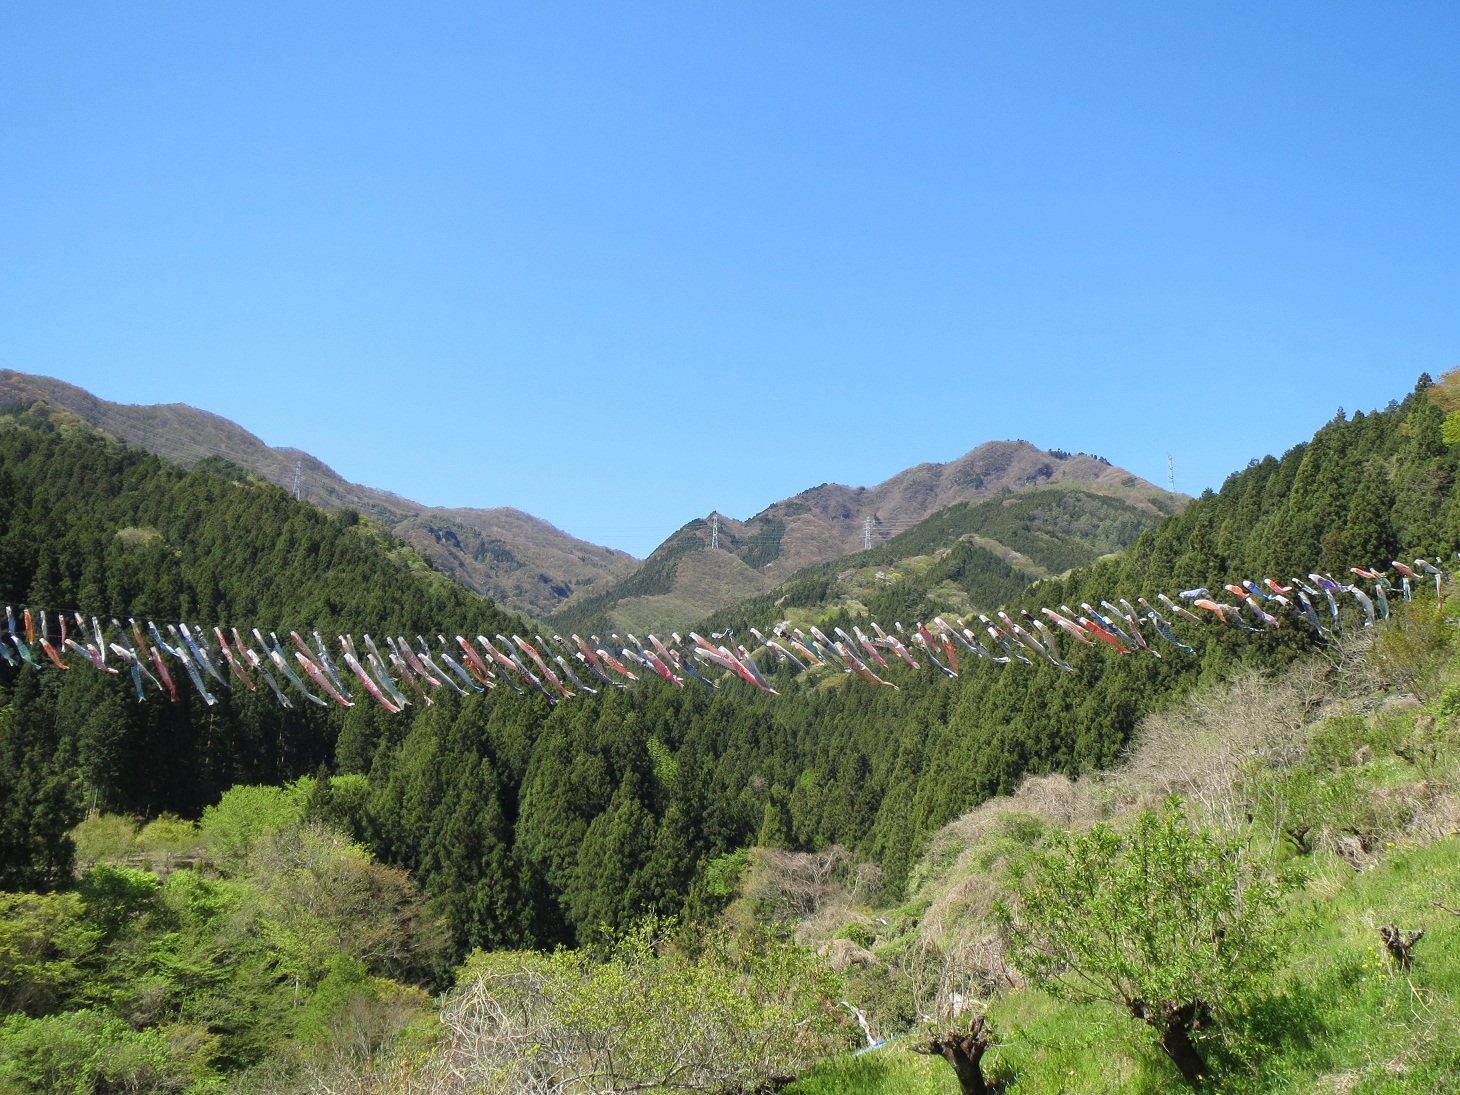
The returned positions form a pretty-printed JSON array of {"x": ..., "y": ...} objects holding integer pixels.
[{"x": 1166, "y": 921}]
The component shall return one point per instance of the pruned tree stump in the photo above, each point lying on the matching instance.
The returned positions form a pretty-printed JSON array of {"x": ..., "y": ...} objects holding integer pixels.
[
  {"x": 1298, "y": 834},
  {"x": 1400, "y": 943},
  {"x": 1351, "y": 850},
  {"x": 963, "y": 1050}
]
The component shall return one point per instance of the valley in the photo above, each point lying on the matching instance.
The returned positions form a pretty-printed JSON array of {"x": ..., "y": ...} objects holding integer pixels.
[{"x": 477, "y": 835}]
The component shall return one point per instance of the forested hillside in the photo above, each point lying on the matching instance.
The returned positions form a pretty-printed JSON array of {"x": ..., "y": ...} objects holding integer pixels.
[
  {"x": 624, "y": 793},
  {"x": 88, "y": 524},
  {"x": 531, "y": 825}
]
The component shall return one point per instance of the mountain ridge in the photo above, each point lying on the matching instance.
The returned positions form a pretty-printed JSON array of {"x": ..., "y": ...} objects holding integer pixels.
[
  {"x": 966, "y": 558},
  {"x": 529, "y": 566},
  {"x": 674, "y": 587},
  {"x": 517, "y": 559}
]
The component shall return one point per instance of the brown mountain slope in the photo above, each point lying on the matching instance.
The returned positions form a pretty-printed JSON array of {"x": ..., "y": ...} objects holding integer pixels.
[
  {"x": 523, "y": 562},
  {"x": 829, "y": 521},
  {"x": 674, "y": 588}
]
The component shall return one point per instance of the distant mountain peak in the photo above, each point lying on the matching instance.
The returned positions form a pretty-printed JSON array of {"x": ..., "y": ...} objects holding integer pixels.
[{"x": 830, "y": 521}]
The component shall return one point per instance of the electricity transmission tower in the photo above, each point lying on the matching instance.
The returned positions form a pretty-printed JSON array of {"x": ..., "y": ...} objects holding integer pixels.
[
  {"x": 1171, "y": 473},
  {"x": 714, "y": 530},
  {"x": 298, "y": 479},
  {"x": 867, "y": 534}
]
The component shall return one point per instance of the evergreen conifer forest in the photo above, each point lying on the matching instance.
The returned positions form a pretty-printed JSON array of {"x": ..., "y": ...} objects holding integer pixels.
[{"x": 238, "y": 897}]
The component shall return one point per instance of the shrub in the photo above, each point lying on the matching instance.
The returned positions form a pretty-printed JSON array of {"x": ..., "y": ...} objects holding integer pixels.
[
  {"x": 1166, "y": 921},
  {"x": 742, "y": 1015}
]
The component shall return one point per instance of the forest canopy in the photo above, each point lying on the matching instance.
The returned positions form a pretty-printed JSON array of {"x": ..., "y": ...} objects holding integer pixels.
[{"x": 533, "y": 824}]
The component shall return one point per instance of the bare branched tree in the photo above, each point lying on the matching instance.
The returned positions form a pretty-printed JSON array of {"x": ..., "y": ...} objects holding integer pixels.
[
  {"x": 729, "y": 1020},
  {"x": 807, "y": 887}
]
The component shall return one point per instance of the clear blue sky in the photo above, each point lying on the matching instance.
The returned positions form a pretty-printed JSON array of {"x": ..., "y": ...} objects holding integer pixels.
[{"x": 619, "y": 264}]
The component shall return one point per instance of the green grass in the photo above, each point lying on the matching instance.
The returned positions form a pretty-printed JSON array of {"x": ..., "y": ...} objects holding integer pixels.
[
  {"x": 880, "y": 1072},
  {"x": 1343, "y": 1020}
]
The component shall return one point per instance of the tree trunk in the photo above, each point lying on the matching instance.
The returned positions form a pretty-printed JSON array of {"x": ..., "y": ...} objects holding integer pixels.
[
  {"x": 963, "y": 1052},
  {"x": 1175, "y": 1023},
  {"x": 1176, "y": 1041}
]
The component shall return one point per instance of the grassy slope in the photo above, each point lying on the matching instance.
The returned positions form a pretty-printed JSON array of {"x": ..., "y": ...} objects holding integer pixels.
[
  {"x": 1348, "y": 1022},
  {"x": 701, "y": 578},
  {"x": 1342, "y": 1017}
]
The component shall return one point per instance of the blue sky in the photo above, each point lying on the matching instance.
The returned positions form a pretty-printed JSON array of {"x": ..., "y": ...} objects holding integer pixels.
[{"x": 622, "y": 264}]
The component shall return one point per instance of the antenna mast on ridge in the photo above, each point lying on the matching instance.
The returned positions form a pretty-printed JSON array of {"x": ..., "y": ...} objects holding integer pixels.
[
  {"x": 867, "y": 534},
  {"x": 1171, "y": 473},
  {"x": 714, "y": 530},
  {"x": 298, "y": 478}
]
